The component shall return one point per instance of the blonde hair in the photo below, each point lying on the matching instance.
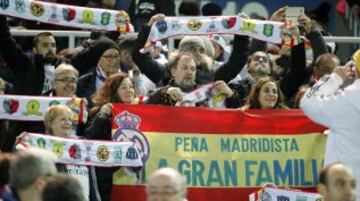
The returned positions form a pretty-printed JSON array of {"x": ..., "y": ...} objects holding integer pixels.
[
  {"x": 51, "y": 113},
  {"x": 2, "y": 84},
  {"x": 63, "y": 68}
]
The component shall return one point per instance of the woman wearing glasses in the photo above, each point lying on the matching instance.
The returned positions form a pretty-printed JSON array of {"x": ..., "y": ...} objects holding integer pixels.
[{"x": 101, "y": 61}]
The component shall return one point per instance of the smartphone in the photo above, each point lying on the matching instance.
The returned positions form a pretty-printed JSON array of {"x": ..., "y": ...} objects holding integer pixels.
[
  {"x": 352, "y": 70},
  {"x": 292, "y": 14}
]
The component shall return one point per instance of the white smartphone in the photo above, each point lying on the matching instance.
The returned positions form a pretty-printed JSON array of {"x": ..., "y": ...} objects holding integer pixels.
[{"x": 292, "y": 14}]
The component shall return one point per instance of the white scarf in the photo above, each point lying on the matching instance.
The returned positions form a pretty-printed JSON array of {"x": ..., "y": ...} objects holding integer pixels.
[
  {"x": 85, "y": 152},
  {"x": 66, "y": 15},
  {"x": 272, "y": 193},
  {"x": 204, "y": 93},
  {"x": 32, "y": 108},
  {"x": 268, "y": 31}
]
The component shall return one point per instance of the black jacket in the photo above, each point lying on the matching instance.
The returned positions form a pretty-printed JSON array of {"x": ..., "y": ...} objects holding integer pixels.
[
  {"x": 141, "y": 11},
  {"x": 87, "y": 85},
  {"x": 28, "y": 70},
  {"x": 157, "y": 73},
  {"x": 99, "y": 127}
]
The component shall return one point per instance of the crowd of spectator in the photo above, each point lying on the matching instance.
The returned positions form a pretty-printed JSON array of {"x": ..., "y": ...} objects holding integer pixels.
[{"x": 108, "y": 68}]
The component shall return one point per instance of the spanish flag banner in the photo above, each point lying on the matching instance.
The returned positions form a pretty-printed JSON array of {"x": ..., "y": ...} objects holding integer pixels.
[{"x": 223, "y": 154}]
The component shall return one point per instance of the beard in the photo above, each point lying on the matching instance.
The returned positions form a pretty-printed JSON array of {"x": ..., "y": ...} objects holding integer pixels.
[
  {"x": 187, "y": 85},
  {"x": 262, "y": 69},
  {"x": 49, "y": 57}
]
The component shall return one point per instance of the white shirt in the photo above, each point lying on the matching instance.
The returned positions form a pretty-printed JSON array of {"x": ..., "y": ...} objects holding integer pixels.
[
  {"x": 81, "y": 173},
  {"x": 49, "y": 77},
  {"x": 339, "y": 110}
]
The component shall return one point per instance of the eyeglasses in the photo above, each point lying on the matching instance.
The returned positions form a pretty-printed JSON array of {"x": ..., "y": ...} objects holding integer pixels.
[
  {"x": 67, "y": 80},
  {"x": 110, "y": 57},
  {"x": 258, "y": 58},
  {"x": 167, "y": 192}
]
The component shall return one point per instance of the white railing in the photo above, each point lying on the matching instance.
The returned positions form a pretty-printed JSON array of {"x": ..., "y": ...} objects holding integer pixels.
[
  {"x": 353, "y": 20},
  {"x": 72, "y": 35}
]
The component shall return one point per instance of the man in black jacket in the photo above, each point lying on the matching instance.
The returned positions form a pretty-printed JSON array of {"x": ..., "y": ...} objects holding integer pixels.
[
  {"x": 160, "y": 75},
  {"x": 32, "y": 73}
]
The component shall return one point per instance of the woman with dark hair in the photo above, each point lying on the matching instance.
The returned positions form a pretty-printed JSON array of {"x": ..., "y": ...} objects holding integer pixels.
[
  {"x": 265, "y": 94},
  {"x": 118, "y": 88}
]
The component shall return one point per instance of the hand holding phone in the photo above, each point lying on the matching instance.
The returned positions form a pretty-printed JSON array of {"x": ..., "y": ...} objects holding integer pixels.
[{"x": 292, "y": 14}]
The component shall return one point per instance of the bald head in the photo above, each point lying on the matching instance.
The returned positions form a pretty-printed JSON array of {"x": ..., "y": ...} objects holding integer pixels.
[
  {"x": 168, "y": 184},
  {"x": 337, "y": 182}
]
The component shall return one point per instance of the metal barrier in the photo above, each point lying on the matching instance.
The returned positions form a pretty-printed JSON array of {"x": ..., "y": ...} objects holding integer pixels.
[
  {"x": 72, "y": 35},
  {"x": 353, "y": 20}
]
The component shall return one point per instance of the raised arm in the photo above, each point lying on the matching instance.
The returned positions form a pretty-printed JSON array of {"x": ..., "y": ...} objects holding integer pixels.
[
  {"x": 12, "y": 53},
  {"x": 152, "y": 69},
  {"x": 324, "y": 100}
]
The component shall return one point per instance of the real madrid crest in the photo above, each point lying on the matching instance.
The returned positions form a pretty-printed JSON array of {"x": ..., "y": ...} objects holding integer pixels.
[{"x": 128, "y": 131}]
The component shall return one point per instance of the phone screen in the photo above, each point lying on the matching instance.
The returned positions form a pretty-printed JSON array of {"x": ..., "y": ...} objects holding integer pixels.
[{"x": 292, "y": 14}]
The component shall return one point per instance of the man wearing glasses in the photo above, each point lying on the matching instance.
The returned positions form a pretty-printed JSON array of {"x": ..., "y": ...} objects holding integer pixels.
[
  {"x": 166, "y": 184},
  {"x": 65, "y": 81}
]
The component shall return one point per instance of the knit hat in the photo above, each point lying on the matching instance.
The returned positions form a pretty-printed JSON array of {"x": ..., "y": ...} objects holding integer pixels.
[
  {"x": 100, "y": 46},
  {"x": 209, "y": 48},
  {"x": 190, "y": 41},
  {"x": 221, "y": 41},
  {"x": 356, "y": 58}
]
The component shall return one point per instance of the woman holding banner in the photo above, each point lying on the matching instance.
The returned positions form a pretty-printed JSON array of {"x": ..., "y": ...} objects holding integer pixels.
[
  {"x": 119, "y": 88},
  {"x": 58, "y": 122},
  {"x": 265, "y": 94}
]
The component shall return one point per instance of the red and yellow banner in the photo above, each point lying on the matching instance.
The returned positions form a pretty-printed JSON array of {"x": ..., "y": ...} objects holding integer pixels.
[{"x": 224, "y": 154}]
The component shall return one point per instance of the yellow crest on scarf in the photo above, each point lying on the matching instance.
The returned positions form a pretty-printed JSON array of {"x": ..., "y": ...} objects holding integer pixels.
[{"x": 356, "y": 58}]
